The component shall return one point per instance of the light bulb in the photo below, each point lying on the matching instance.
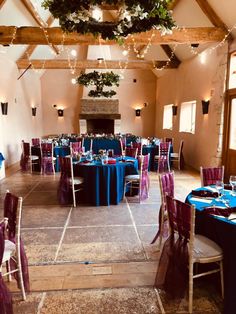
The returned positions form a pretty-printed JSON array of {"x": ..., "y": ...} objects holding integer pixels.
[
  {"x": 73, "y": 81},
  {"x": 73, "y": 52},
  {"x": 125, "y": 52}
]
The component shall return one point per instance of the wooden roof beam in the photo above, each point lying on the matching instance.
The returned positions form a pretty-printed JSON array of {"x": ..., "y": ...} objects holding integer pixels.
[
  {"x": 31, "y": 9},
  {"x": 2, "y": 3},
  {"x": 30, "y": 49},
  {"x": 94, "y": 64},
  {"x": 212, "y": 16},
  {"x": 174, "y": 59},
  {"x": 36, "y": 36},
  {"x": 173, "y": 4}
]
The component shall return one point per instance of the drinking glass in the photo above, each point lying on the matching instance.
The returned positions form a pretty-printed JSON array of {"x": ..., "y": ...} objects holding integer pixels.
[
  {"x": 232, "y": 181},
  {"x": 220, "y": 187}
]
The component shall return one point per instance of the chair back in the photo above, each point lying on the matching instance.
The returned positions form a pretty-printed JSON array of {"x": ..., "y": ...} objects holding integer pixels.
[
  {"x": 66, "y": 165},
  {"x": 35, "y": 142},
  {"x": 75, "y": 148},
  {"x": 143, "y": 162},
  {"x": 26, "y": 149},
  {"x": 181, "y": 218},
  {"x": 131, "y": 152},
  {"x": 166, "y": 182},
  {"x": 13, "y": 212},
  {"x": 210, "y": 175},
  {"x": 47, "y": 149},
  {"x": 139, "y": 146},
  {"x": 169, "y": 140},
  {"x": 181, "y": 146},
  {"x": 164, "y": 149}
]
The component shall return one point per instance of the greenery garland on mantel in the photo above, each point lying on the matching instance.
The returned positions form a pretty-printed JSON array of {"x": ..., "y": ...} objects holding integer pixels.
[
  {"x": 133, "y": 17},
  {"x": 99, "y": 79}
]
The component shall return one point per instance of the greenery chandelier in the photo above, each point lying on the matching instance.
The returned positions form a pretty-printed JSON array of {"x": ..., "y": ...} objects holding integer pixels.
[
  {"x": 133, "y": 17},
  {"x": 100, "y": 80}
]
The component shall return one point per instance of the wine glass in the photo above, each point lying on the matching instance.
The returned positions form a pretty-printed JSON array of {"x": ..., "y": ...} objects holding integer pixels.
[
  {"x": 232, "y": 181},
  {"x": 219, "y": 186}
]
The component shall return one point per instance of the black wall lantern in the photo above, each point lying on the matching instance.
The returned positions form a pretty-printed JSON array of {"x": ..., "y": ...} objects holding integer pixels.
[
  {"x": 60, "y": 112},
  {"x": 4, "y": 106},
  {"x": 34, "y": 111},
  {"x": 174, "y": 110},
  {"x": 205, "y": 106},
  {"x": 138, "y": 112}
]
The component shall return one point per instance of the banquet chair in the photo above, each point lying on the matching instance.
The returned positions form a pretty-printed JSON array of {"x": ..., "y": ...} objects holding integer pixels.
[
  {"x": 36, "y": 142},
  {"x": 47, "y": 158},
  {"x": 175, "y": 274},
  {"x": 163, "y": 158},
  {"x": 209, "y": 175},
  {"x": 139, "y": 181},
  {"x": 6, "y": 298},
  {"x": 178, "y": 157},
  {"x": 68, "y": 182},
  {"x": 14, "y": 253},
  {"x": 169, "y": 139},
  {"x": 139, "y": 146},
  {"x": 27, "y": 159},
  {"x": 131, "y": 152},
  {"x": 166, "y": 183},
  {"x": 75, "y": 148}
]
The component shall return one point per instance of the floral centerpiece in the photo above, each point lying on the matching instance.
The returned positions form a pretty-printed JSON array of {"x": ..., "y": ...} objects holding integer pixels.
[
  {"x": 133, "y": 16},
  {"x": 99, "y": 79}
]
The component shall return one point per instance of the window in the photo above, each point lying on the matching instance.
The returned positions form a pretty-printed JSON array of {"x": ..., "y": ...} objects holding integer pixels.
[
  {"x": 167, "y": 117},
  {"x": 232, "y": 71},
  {"x": 187, "y": 117}
]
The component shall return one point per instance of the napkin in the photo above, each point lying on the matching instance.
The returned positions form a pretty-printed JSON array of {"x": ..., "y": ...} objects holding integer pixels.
[
  {"x": 228, "y": 187},
  {"x": 220, "y": 211},
  {"x": 111, "y": 161},
  {"x": 205, "y": 193}
]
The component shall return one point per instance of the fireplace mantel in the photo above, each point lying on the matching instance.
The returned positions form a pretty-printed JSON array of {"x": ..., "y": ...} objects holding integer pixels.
[{"x": 99, "y": 109}]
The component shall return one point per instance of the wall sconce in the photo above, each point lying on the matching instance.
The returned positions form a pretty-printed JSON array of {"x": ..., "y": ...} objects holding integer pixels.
[
  {"x": 34, "y": 109},
  {"x": 4, "y": 106},
  {"x": 205, "y": 106},
  {"x": 138, "y": 112},
  {"x": 174, "y": 110},
  {"x": 60, "y": 112}
]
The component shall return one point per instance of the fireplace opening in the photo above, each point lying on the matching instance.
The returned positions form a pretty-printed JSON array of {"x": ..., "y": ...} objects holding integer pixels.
[{"x": 100, "y": 126}]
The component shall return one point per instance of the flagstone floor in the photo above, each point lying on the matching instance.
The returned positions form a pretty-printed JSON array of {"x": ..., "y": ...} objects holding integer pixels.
[{"x": 96, "y": 259}]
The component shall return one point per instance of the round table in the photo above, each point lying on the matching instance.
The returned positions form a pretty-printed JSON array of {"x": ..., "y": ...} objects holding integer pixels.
[
  {"x": 223, "y": 232},
  {"x": 104, "y": 184}
]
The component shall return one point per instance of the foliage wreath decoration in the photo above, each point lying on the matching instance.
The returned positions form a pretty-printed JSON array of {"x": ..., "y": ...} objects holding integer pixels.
[
  {"x": 134, "y": 17},
  {"x": 99, "y": 79}
]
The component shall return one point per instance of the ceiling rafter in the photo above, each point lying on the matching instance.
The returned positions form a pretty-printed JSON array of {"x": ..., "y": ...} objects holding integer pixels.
[
  {"x": 173, "y": 4},
  {"x": 174, "y": 59},
  {"x": 212, "y": 16},
  {"x": 2, "y": 3},
  {"x": 36, "y": 36},
  {"x": 94, "y": 64},
  {"x": 30, "y": 49},
  {"x": 31, "y": 9}
]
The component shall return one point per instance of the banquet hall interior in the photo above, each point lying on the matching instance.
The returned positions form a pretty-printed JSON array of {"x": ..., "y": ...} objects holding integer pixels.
[{"x": 89, "y": 230}]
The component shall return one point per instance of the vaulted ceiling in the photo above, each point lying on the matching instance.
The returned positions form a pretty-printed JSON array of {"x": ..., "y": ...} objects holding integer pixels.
[{"x": 30, "y": 36}]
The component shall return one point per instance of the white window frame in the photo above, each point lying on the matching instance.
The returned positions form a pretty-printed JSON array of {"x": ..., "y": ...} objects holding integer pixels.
[
  {"x": 187, "y": 119},
  {"x": 167, "y": 117}
]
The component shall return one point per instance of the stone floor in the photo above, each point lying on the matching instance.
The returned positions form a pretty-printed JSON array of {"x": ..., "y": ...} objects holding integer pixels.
[{"x": 96, "y": 259}]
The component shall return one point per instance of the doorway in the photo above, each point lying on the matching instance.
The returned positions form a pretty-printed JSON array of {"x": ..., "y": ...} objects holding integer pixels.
[{"x": 229, "y": 155}]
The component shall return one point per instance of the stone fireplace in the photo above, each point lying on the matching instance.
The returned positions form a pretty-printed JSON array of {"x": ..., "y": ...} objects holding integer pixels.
[{"x": 99, "y": 116}]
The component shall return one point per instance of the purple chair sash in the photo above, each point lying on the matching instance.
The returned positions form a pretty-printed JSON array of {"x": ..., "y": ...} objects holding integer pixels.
[
  {"x": 5, "y": 295},
  {"x": 10, "y": 211}
]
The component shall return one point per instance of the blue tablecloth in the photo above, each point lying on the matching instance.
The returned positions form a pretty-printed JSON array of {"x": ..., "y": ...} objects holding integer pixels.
[
  {"x": 1, "y": 159},
  {"x": 102, "y": 143},
  {"x": 223, "y": 232},
  {"x": 104, "y": 184}
]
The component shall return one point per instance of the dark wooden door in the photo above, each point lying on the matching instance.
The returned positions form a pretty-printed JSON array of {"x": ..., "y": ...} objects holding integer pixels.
[{"x": 229, "y": 154}]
